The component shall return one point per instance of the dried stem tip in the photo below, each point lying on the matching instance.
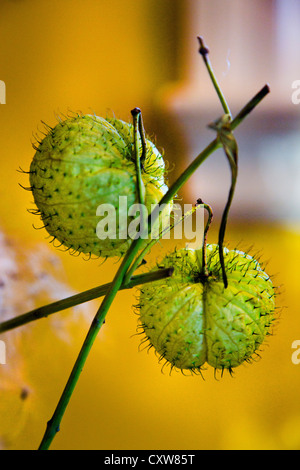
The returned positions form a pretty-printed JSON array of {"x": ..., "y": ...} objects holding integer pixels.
[
  {"x": 203, "y": 49},
  {"x": 135, "y": 112}
]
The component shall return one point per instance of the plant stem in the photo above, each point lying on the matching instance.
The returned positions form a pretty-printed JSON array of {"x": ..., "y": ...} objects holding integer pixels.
[
  {"x": 230, "y": 147},
  {"x": 224, "y": 223},
  {"x": 250, "y": 106},
  {"x": 136, "y": 114},
  {"x": 204, "y": 270},
  {"x": 86, "y": 296},
  {"x": 212, "y": 147},
  {"x": 143, "y": 140},
  {"x": 138, "y": 132},
  {"x": 54, "y": 424},
  {"x": 99, "y": 291},
  {"x": 139, "y": 259},
  {"x": 204, "y": 51}
]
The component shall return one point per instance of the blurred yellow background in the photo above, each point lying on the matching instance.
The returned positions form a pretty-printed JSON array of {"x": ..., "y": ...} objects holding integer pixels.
[{"x": 110, "y": 56}]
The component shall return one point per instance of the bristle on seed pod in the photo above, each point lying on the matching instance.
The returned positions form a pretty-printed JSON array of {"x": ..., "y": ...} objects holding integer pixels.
[
  {"x": 85, "y": 162},
  {"x": 191, "y": 320}
]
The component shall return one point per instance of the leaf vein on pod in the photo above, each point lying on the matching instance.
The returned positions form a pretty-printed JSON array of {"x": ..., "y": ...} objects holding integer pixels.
[{"x": 178, "y": 310}]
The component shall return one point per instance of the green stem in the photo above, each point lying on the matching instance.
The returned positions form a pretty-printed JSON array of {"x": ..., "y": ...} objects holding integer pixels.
[
  {"x": 86, "y": 296},
  {"x": 230, "y": 147},
  {"x": 204, "y": 272},
  {"x": 212, "y": 147},
  {"x": 143, "y": 140},
  {"x": 139, "y": 259},
  {"x": 250, "y": 106},
  {"x": 224, "y": 223},
  {"x": 171, "y": 193},
  {"x": 204, "y": 51},
  {"x": 54, "y": 424},
  {"x": 136, "y": 114},
  {"x": 138, "y": 132}
]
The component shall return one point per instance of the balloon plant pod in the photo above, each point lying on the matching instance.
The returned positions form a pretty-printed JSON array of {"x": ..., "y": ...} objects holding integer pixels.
[
  {"x": 86, "y": 162},
  {"x": 192, "y": 319},
  {"x": 207, "y": 305}
]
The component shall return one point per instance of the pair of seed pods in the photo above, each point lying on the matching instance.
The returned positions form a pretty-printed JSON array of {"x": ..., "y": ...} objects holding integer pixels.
[{"x": 190, "y": 320}]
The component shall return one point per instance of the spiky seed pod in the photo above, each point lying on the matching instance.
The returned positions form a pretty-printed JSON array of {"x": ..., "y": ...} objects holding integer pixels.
[
  {"x": 86, "y": 161},
  {"x": 192, "y": 320}
]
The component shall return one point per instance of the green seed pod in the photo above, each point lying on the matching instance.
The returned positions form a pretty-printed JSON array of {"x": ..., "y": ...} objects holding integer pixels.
[
  {"x": 191, "y": 319},
  {"x": 82, "y": 163}
]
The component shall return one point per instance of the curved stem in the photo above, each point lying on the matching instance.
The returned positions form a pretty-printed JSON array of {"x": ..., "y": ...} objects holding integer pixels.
[
  {"x": 212, "y": 147},
  {"x": 138, "y": 132},
  {"x": 136, "y": 114},
  {"x": 223, "y": 225},
  {"x": 143, "y": 140},
  {"x": 204, "y": 271},
  {"x": 230, "y": 147}
]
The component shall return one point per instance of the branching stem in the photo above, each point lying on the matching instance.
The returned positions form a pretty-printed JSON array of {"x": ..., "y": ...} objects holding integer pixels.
[
  {"x": 204, "y": 271},
  {"x": 77, "y": 299},
  {"x": 129, "y": 258},
  {"x": 54, "y": 424}
]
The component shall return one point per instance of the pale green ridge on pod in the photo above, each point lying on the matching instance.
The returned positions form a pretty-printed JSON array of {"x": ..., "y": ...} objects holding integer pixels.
[
  {"x": 85, "y": 161},
  {"x": 191, "y": 321}
]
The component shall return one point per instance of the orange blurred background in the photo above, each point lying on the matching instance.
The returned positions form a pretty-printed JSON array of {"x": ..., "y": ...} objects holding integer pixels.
[{"x": 111, "y": 56}]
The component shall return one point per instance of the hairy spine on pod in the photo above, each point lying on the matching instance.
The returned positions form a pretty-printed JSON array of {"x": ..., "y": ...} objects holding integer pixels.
[
  {"x": 81, "y": 163},
  {"x": 191, "y": 321}
]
